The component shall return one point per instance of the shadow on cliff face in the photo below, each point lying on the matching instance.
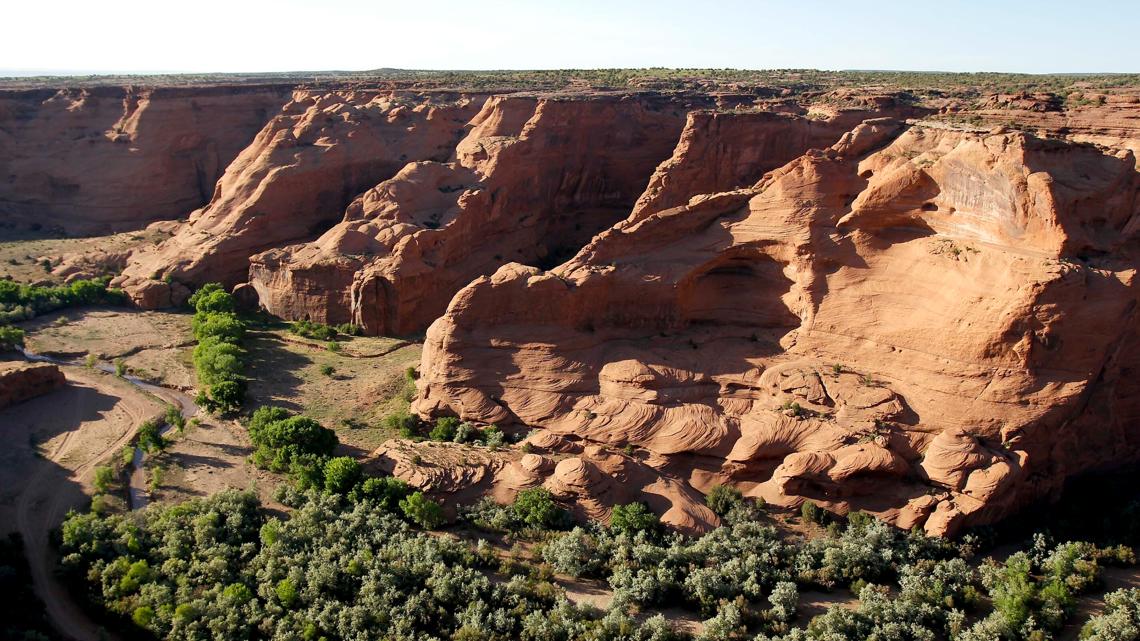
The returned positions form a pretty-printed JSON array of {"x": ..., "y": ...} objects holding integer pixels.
[{"x": 1100, "y": 507}]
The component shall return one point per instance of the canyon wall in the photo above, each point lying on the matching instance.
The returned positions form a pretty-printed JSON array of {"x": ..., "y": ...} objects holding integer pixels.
[
  {"x": 99, "y": 159},
  {"x": 294, "y": 181},
  {"x": 931, "y": 324},
  {"x": 533, "y": 181}
]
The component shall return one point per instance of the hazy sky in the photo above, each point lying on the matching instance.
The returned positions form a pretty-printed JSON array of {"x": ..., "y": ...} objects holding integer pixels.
[{"x": 288, "y": 35}]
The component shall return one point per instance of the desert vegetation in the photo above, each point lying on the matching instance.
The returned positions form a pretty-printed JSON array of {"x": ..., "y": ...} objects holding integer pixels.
[
  {"x": 218, "y": 357},
  {"x": 350, "y": 561}
]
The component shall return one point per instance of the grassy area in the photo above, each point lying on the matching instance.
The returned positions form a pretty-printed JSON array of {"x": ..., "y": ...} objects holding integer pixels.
[
  {"x": 154, "y": 346},
  {"x": 351, "y": 398},
  {"x": 23, "y": 252}
]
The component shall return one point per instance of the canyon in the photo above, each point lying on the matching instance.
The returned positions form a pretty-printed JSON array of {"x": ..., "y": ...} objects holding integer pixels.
[{"x": 919, "y": 305}]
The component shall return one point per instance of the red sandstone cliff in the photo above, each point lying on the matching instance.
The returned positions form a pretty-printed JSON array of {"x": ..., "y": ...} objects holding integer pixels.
[
  {"x": 294, "y": 181},
  {"x": 533, "y": 181},
  {"x": 20, "y": 381},
  {"x": 931, "y": 324},
  {"x": 109, "y": 158}
]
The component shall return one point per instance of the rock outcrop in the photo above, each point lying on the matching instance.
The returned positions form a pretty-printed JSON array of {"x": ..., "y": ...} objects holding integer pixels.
[
  {"x": 589, "y": 480},
  {"x": 534, "y": 179},
  {"x": 294, "y": 181},
  {"x": 20, "y": 381},
  {"x": 532, "y": 182},
  {"x": 931, "y": 324},
  {"x": 109, "y": 158}
]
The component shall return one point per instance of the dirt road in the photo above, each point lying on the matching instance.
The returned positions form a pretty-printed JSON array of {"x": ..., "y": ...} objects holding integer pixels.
[{"x": 77, "y": 428}]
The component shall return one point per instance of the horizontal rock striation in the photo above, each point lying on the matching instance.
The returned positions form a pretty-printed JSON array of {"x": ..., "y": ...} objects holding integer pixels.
[
  {"x": 532, "y": 182},
  {"x": 111, "y": 158},
  {"x": 534, "y": 179},
  {"x": 931, "y": 324},
  {"x": 295, "y": 180},
  {"x": 21, "y": 381}
]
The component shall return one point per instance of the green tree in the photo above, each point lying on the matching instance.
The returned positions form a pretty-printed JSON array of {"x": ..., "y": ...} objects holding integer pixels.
[
  {"x": 422, "y": 511},
  {"x": 342, "y": 474},
  {"x": 386, "y": 491},
  {"x": 633, "y": 518},
  {"x": 225, "y": 327},
  {"x": 227, "y": 396},
  {"x": 211, "y": 298},
  {"x": 722, "y": 498},
  {"x": 104, "y": 477},
  {"x": 535, "y": 506},
  {"x": 10, "y": 337},
  {"x": 444, "y": 429}
]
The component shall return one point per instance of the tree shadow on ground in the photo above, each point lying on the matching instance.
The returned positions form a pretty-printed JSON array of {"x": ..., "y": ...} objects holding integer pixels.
[{"x": 271, "y": 369}]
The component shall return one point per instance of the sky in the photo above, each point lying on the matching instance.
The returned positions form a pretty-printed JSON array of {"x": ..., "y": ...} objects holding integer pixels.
[{"x": 93, "y": 36}]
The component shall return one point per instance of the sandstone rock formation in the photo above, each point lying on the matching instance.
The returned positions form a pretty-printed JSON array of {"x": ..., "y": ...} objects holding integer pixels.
[
  {"x": 20, "y": 381},
  {"x": 589, "y": 479},
  {"x": 532, "y": 182},
  {"x": 294, "y": 181},
  {"x": 106, "y": 158},
  {"x": 932, "y": 324}
]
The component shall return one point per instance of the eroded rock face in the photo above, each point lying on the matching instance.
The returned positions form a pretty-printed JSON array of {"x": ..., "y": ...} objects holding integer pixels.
[
  {"x": 532, "y": 181},
  {"x": 111, "y": 158},
  {"x": 590, "y": 481},
  {"x": 294, "y": 181},
  {"x": 931, "y": 324},
  {"x": 725, "y": 150},
  {"x": 21, "y": 381}
]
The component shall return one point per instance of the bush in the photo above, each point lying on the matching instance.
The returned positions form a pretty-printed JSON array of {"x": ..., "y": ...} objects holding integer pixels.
[
  {"x": 315, "y": 331},
  {"x": 24, "y": 302},
  {"x": 11, "y": 337},
  {"x": 348, "y": 329},
  {"x": 422, "y": 511},
  {"x": 493, "y": 437},
  {"x": 467, "y": 433},
  {"x": 174, "y": 418},
  {"x": 386, "y": 492},
  {"x": 328, "y": 370},
  {"x": 149, "y": 438},
  {"x": 1120, "y": 620},
  {"x": 342, "y": 474},
  {"x": 279, "y": 439},
  {"x": 104, "y": 477},
  {"x": 120, "y": 367},
  {"x": 812, "y": 513},
  {"x": 575, "y": 553},
  {"x": 444, "y": 429},
  {"x": 633, "y": 518},
  {"x": 403, "y": 422},
  {"x": 535, "y": 506},
  {"x": 784, "y": 598},
  {"x": 721, "y": 499}
]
